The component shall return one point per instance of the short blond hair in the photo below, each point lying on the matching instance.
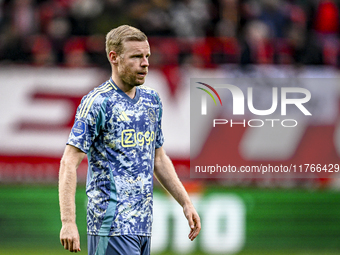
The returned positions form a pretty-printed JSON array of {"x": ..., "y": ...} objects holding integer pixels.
[{"x": 124, "y": 33}]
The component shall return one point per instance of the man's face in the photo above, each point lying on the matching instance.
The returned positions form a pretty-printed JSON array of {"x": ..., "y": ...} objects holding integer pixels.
[{"x": 133, "y": 63}]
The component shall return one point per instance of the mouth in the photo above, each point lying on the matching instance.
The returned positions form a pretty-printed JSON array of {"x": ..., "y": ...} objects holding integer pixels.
[{"x": 142, "y": 74}]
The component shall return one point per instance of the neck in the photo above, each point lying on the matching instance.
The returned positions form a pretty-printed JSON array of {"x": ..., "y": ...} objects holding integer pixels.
[{"x": 126, "y": 88}]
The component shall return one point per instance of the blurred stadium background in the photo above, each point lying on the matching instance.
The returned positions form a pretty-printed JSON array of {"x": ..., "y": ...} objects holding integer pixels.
[{"x": 52, "y": 53}]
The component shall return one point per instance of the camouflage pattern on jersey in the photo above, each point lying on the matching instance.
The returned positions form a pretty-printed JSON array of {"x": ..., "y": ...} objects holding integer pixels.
[{"x": 119, "y": 136}]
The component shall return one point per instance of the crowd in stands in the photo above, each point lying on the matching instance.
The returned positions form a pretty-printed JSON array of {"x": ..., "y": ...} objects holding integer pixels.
[{"x": 201, "y": 32}]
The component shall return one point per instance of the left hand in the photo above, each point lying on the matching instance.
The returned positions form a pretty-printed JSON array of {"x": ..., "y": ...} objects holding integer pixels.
[{"x": 193, "y": 220}]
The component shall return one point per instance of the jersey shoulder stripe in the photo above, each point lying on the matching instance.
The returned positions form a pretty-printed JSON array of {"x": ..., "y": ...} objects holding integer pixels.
[
  {"x": 113, "y": 85},
  {"x": 92, "y": 96}
]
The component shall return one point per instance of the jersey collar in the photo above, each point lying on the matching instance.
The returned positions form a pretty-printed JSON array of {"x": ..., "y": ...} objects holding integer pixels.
[{"x": 123, "y": 94}]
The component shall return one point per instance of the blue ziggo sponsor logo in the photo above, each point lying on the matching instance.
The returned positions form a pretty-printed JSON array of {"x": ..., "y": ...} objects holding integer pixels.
[{"x": 239, "y": 105}]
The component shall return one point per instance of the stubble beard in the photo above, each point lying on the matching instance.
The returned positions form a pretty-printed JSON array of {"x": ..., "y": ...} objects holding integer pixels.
[{"x": 131, "y": 79}]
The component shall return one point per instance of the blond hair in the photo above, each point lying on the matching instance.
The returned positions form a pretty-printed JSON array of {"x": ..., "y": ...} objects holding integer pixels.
[{"x": 124, "y": 33}]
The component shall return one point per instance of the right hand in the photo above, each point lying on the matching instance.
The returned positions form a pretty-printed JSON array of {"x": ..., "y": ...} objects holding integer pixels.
[{"x": 69, "y": 237}]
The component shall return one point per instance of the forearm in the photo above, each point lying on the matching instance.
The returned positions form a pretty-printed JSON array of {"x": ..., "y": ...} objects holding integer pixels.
[
  {"x": 68, "y": 183},
  {"x": 167, "y": 176},
  {"x": 67, "y": 189}
]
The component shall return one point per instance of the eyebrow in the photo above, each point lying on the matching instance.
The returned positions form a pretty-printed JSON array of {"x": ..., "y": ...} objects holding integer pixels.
[{"x": 140, "y": 54}]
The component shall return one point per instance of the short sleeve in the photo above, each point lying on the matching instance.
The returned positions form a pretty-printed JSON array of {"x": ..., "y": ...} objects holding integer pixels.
[
  {"x": 87, "y": 124},
  {"x": 159, "y": 133}
]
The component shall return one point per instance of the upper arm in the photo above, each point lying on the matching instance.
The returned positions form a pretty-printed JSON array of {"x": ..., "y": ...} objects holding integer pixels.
[
  {"x": 163, "y": 163},
  {"x": 72, "y": 156},
  {"x": 159, "y": 154}
]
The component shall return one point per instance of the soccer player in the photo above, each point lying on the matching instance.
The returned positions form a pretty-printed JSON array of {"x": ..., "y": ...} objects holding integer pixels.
[{"x": 118, "y": 126}]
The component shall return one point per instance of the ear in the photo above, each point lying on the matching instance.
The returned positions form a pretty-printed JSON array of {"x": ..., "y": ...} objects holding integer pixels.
[{"x": 113, "y": 56}]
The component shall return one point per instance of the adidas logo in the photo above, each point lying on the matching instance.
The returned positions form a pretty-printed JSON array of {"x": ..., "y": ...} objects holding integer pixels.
[{"x": 123, "y": 117}]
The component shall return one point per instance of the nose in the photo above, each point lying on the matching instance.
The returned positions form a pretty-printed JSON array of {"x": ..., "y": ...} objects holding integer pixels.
[{"x": 145, "y": 62}]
